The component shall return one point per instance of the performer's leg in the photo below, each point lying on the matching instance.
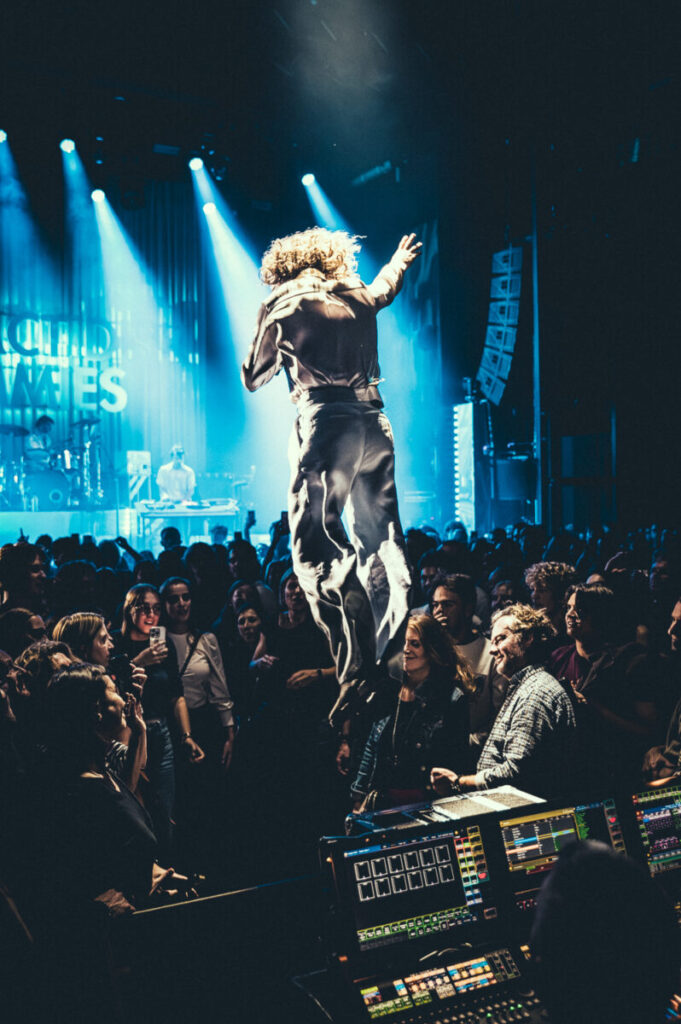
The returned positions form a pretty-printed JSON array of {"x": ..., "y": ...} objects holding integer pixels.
[
  {"x": 374, "y": 523},
  {"x": 326, "y": 451}
]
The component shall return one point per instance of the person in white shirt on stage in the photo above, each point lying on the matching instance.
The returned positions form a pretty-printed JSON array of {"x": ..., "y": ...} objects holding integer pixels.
[{"x": 176, "y": 481}]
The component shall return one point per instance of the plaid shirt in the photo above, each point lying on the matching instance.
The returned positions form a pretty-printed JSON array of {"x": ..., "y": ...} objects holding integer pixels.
[{"x": 530, "y": 745}]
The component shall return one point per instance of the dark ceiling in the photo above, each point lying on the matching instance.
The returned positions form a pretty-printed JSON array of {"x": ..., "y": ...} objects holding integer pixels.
[{"x": 341, "y": 85}]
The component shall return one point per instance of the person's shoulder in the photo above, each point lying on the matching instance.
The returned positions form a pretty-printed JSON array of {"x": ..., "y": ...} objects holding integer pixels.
[
  {"x": 560, "y": 657},
  {"x": 305, "y": 283},
  {"x": 544, "y": 684},
  {"x": 478, "y": 642},
  {"x": 207, "y": 641}
]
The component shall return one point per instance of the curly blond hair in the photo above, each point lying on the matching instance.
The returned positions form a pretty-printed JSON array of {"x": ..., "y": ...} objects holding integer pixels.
[
  {"x": 333, "y": 253},
  {"x": 532, "y": 623}
]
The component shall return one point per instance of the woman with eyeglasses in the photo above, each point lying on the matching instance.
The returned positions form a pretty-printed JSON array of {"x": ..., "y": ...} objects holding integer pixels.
[{"x": 162, "y": 701}]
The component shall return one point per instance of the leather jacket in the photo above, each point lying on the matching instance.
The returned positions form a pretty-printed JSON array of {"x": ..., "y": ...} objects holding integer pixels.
[
  {"x": 322, "y": 333},
  {"x": 437, "y": 735}
]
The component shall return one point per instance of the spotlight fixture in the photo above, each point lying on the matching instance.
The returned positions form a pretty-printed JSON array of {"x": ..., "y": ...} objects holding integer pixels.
[
  {"x": 196, "y": 163},
  {"x": 97, "y": 196},
  {"x": 209, "y": 207},
  {"x": 308, "y": 179},
  {"x": 67, "y": 145},
  {"x": 3, "y": 136}
]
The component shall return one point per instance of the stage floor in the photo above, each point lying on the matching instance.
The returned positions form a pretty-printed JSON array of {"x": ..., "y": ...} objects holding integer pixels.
[
  {"x": 102, "y": 523},
  {"x": 141, "y": 526}
]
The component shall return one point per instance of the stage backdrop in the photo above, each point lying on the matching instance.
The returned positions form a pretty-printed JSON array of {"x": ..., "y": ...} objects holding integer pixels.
[{"x": 112, "y": 326}]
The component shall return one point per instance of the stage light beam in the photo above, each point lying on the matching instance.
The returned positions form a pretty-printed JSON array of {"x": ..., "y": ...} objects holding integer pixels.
[
  {"x": 308, "y": 179},
  {"x": 98, "y": 196},
  {"x": 67, "y": 145},
  {"x": 3, "y": 136},
  {"x": 255, "y": 427},
  {"x": 196, "y": 163}
]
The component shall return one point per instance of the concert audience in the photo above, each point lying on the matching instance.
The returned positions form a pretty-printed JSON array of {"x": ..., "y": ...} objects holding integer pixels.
[{"x": 526, "y": 707}]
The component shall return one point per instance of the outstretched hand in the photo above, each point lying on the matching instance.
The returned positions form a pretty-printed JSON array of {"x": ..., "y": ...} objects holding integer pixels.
[
  {"x": 443, "y": 780},
  {"x": 408, "y": 249}
]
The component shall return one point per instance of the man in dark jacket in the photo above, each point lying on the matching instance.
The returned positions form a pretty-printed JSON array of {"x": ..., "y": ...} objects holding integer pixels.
[{"x": 319, "y": 326}]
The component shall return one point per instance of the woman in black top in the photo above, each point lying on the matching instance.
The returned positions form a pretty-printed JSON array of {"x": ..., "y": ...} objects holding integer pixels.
[
  {"x": 105, "y": 837},
  {"x": 430, "y": 720},
  {"x": 162, "y": 700},
  {"x": 96, "y": 849}
]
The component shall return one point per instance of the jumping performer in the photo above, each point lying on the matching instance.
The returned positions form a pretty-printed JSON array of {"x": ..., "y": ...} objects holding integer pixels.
[{"x": 319, "y": 326}]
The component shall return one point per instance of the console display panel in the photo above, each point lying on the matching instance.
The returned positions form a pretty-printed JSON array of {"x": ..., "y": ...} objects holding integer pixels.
[
  {"x": 532, "y": 842},
  {"x": 658, "y": 817},
  {"x": 437, "y": 986},
  {"x": 402, "y": 890}
]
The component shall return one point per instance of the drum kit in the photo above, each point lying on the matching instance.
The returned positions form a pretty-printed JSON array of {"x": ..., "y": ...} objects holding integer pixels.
[{"x": 68, "y": 474}]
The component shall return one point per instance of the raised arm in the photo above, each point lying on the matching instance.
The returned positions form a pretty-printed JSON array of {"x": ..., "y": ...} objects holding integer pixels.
[{"x": 388, "y": 281}]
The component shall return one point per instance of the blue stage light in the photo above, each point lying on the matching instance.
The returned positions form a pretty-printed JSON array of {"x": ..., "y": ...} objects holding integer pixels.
[
  {"x": 196, "y": 163},
  {"x": 308, "y": 179},
  {"x": 3, "y": 136},
  {"x": 67, "y": 145},
  {"x": 251, "y": 424},
  {"x": 98, "y": 196}
]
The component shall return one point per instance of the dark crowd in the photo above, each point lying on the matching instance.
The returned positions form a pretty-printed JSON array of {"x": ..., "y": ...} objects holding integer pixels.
[{"x": 163, "y": 718}]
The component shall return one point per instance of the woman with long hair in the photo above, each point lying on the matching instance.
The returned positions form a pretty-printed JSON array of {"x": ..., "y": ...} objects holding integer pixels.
[
  {"x": 201, "y": 669},
  {"x": 429, "y": 721},
  {"x": 87, "y": 636},
  {"x": 162, "y": 700},
  {"x": 201, "y": 787},
  {"x": 253, "y": 665}
]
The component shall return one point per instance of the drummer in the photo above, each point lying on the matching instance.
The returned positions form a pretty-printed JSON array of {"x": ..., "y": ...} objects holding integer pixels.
[{"x": 38, "y": 445}]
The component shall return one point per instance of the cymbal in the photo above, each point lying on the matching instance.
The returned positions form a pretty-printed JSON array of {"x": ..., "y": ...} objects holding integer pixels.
[
  {"x": 86, "y": 421},
  {"x": 12, "y": 428}
]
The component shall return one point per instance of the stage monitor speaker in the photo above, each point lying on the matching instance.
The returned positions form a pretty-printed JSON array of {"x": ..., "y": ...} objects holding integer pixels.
[{"x": 516, "y": 479}]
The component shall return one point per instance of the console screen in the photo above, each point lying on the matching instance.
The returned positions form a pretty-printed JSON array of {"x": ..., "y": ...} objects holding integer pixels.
[
  {"x": 658, "y": 816},
  {"x": 437, "y": 984},
  {"x": 405, "y": 889},
  {"x": 532, "y": 842}
]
